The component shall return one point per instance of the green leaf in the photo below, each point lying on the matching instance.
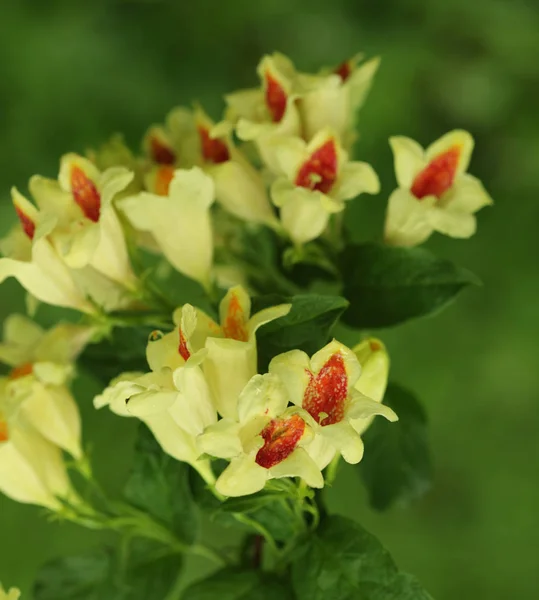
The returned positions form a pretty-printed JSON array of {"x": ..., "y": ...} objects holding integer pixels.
[
  {"x": 73, "y": 578},
  {"x": 387, "y": 286},
  {"x": 237, "y": 584},
  {"x": 307, "y": 326},
  {"x": 342, "y": 561},
  {"x": 397, "y": 464},
  {"x": 159, "y": 485},
  {"x": 137, "y": 570}
]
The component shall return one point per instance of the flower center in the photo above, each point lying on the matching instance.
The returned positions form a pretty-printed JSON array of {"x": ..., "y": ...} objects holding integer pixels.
[
  {"x": 213, "y": 150},
  {"x": 85, "y": 193},
  {"x": 234, "y": 325},
  {"x": 163, "y": 177},
  {"x": 21, "y": 371},
  {"x": 327, "y": 392},
  {"x": 182, "y": 348},
  {"x": 319, "y": 171},
  {"x": 28, "y": 226},
  {"x": 275, "y": 98},
  {"x": 160, "y": 152},
  {"x": 4, "y": 433},
  {"x": 344, "y": 70},
  {"x": 281, "y": 436},
  {"x": 437, "y": 177}
]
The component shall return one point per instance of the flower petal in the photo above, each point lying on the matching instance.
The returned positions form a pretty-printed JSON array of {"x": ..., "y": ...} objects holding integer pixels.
[
  {"x": 345, "y": 440},
  {"x": 180, "y": 222},
  {"x": 321, "y": 450},
  {"x": 374, "y": 361},
  {"x": 355, "y": 178},
  {"x": 152, "y": 402},
  {"x": 263, "y": 395},
  {"x": 21, "y": 335},
  {"x": 362, "y": 407},
  {"x": 163, "y": 351},
  {"x": 452, "y": 223},
  {"x": 234, "y": 313},
  {"x": 302, "y": 214},
  {"x": 290, "y": 153},
  {"x": 53, "y": 412},
  {"x": 409, "y": 159},
  {"x": 299, "y": 464},
  {"x": 119, "y": 390},
  {"x": 228, "y": 366},
  {"x": 241, "y": 191},
  {"x": 173, "y": 439},
  {"x": 242, "y": 477},
  {"x": 221, "y": 439},
  {"x": 406, "y": 219},
  {"x": 47, "y": 278},
  {"x": 467, "y": 195},
  {"x": 293, "y": 369},
  {"x": 266, "y": 316},
  {"x": 194, "y": 410}
]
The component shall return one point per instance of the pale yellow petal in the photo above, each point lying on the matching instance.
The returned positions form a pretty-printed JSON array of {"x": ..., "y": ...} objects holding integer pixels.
[
  {"x": 466, "y": 195},
  {"x": 293, "y": 369},
  {"x": 228, "y": 366},
  {"x": 345, "y": 440},
  {"x": 302, "y": 214},
  {"x": 53, "y": 412},
  {"x": 457, "y": 138},
  {"x": 452, "y": 223},
  {"x": 362, "y": 407},
  {"x": 242, "y": 477},
  {"x": 193, "y": 410},
  {"x": 266, "y": 316},
  {"x": 221, "y": 439},
  {"x": 263, "y": 395},
  {"x": 374, "y": 361},
  {"x": 241, "y": 191},
  {"x": 406, "y": 219},
  {"x": 355, "y": 178},
  {"x": 409, "y": 159},
  {"x": 299, "y": 464}
]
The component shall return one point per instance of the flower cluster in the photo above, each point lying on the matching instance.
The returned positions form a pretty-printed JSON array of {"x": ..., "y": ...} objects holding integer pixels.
[
  {"x": 109, "y": 236},
  {"x": 203, "y": 370}
]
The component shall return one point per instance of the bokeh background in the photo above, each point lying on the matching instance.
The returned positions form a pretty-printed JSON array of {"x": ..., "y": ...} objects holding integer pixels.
[{"x": 71, "y": 73}]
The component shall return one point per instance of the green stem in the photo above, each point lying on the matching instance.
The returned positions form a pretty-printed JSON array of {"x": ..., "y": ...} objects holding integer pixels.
[{"x": 242, "y": 518}]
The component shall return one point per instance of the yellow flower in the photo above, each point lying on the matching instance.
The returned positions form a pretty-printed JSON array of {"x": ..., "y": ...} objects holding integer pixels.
[
  {"x": 264, "y": 441},
  {"x": 333, "y": 99},
  {"x": 269, "y": 110},
  {"x": 230, "y": 347},
  {"x": 324, "y": 386},
  {"x": 173, "y": 399},
  {"x": 179, "y": 222},
  {"x": 317, "y": 180},
  {"x": 42, "y": 364},
  {"x": 32, "y": 469},
  {"x": 239, "y": 188},
  {"x": 81, "y": 217},
  {"x": 36, "y": 264},
  {"x": 435, "y": 192}
]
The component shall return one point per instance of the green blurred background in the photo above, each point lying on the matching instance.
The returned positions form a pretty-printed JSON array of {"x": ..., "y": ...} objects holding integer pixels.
[{"x": 71, "y": 73}]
